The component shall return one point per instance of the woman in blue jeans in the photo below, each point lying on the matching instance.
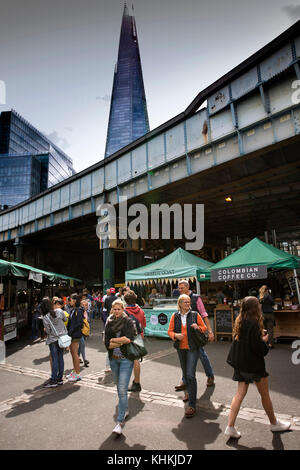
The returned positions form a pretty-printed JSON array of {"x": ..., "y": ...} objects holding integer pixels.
[
  {"x": 119, "y": 330},
  {"x": 181, "y": 331},
  {"x": 53, "y": 321}
]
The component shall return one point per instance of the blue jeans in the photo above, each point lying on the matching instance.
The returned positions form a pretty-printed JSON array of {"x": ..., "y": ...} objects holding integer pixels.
[
  {"x": 81, "y": 349},
  {"x": 205, "y": 363},
  {"x": 35, "y": 328},
  {"x": 57, "y": 356},
  {"x": 188, "y": 361},
  {"x": 121, "y": 370}
]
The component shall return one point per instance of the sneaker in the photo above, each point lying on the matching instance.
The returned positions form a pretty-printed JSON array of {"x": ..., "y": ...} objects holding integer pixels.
[
  {"x": 74, "y": 378},
  {"x": 135, "y": 387},
  {"x": 60, "y": 382},
  {"x": 86, "y": 363},
  {"x": 280, "y": 426},
  {"x": 118, "y": 429},
  {"x": 126, "y": 415},
  {"x": 232, "y": 432},
  {"x": 70, "y": 375},
  {"x": 50, "y": 384}
]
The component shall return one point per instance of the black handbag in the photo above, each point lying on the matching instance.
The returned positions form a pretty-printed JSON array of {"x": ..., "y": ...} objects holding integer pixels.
[
  {"x": 200, "y": 338},
  {"x": 134, "y": 350}
]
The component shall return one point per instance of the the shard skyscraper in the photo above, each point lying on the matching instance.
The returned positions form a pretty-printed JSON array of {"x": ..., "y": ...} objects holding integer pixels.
[{"x": 128, "y": 118}]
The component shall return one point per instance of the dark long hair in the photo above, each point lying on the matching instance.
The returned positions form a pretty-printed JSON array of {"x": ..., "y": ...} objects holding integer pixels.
[
  {"x": 250, "y": 310},
  {"x": 77, "y": 298},
  {"x": 47, "y": 307}
]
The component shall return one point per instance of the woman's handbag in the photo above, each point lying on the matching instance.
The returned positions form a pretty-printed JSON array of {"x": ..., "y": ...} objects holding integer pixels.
[
  {"x": 64, "y": 341},
  {"x": 200, "y": 338},
  {"x": 85, "y": 327},
  {"x": 134, "y": 350}
]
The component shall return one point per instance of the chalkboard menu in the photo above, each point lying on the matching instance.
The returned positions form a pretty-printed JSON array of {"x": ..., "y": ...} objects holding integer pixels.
[{"x": 223, "y": 319}]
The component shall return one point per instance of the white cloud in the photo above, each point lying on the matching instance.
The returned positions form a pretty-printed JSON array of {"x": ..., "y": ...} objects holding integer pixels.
[
  {"x": 58, "y": 140},
  {"x": 292, "y": 11},
  {"x": 105, "y": 98}
]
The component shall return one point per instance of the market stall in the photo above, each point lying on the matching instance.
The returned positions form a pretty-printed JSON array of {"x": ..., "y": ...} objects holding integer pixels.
[
  {"x": 256, "y": 261},
  {"x": 17, "y": 284},
  {"x": 178, "y": 265}
]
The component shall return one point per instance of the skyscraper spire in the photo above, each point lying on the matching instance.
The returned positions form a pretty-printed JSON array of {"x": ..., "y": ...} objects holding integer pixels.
[{"x": 128, "y": 118}]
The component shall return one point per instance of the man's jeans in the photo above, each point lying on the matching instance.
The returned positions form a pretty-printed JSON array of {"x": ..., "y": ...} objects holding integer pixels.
[
  {"x": 188, "y": 361},
  {"x": 57, "y": 356},
  {"x": 121, "y": 370},
  {"x": 205, "y": 362}
]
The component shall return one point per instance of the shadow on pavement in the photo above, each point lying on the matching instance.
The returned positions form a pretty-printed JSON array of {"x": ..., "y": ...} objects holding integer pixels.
[
  {"x": 50, "y": 397},
  {"x": 116, "y": 443},
  {"x": 113, "y": 442}
]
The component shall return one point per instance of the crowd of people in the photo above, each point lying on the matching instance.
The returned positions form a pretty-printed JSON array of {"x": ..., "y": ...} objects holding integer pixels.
[{"x": 124, "y": 320}]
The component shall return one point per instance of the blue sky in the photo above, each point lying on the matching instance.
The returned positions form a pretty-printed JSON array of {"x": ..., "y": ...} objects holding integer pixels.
[{"x": 58, "y": 57}]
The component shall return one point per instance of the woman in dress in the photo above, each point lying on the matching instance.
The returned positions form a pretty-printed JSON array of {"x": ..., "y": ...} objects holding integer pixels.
[{"x": 246, "y": 356}]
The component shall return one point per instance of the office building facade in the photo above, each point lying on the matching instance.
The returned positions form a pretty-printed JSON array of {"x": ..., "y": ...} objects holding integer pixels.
[{"x": 29, "y": 161}]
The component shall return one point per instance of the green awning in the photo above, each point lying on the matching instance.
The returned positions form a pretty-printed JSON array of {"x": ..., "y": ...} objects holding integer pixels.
[
  {"x": 176, "y": 265},
  {"x": 258, "y": 253},
  {"x": 23, "y": 270}
]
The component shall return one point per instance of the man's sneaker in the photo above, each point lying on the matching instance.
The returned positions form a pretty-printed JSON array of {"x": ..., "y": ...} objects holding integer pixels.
[
  {"x": 86, "y": 363},
  {"x": 60, "y": 382},
  {"x": 232, "y": 432},
  {"x": 126, "y": 415},
  {"x": 74, "y": 378},
  {"x": 280, "y": 426},
  {"x": 135, "y": 387},
  {"x": 50, "y": 384},
  {"x": 118, "y": 429}
]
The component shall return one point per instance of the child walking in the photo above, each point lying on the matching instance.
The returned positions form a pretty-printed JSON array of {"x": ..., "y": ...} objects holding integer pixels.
[{"x": 246, "y": 356}]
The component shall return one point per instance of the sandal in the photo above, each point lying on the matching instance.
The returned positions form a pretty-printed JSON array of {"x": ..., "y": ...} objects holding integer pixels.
[{"x": 186, "y": 397}]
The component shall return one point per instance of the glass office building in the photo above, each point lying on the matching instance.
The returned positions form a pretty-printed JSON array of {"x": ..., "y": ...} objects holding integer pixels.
[
  {"x": 29, "y": 162},
  {"x": 128, "y": 118}
]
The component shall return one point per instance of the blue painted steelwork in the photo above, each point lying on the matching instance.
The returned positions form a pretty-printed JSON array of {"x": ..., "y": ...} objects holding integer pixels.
[{"x": 203, "y": 139}]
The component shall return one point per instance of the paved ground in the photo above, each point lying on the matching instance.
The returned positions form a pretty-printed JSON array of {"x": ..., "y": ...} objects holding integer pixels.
[{"x": 81, "y": 415}]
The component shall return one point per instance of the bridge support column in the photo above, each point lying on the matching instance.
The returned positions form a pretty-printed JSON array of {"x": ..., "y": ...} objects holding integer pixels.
[
  {"x": 108, "y": 268},
  {"x": 19, "y": 250},
  {"x": 134, "y": 260}
]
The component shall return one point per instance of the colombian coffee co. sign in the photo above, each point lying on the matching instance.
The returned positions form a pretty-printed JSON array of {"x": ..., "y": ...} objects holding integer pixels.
[{"x": 245, "y": 273}]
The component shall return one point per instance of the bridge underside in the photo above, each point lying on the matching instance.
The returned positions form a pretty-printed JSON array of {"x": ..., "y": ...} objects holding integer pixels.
[{"x": 265, "y": 190}]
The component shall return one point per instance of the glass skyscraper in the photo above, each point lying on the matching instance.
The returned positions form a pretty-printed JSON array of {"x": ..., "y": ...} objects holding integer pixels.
[
  {"x": 128, "y": 118},
  {"x": 29, "y": 162}
]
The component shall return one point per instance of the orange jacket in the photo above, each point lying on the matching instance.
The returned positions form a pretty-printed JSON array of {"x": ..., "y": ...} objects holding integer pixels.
[{"x": 184, "y": 342}]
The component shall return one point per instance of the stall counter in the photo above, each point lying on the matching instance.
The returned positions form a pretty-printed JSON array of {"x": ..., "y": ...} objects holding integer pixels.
[
  {"x": 287, "y": 323},
  {"x": 158, "y": 318}
]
